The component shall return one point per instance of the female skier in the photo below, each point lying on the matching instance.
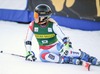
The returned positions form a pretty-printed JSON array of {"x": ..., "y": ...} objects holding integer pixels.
[{"x": 51, "y": 48}]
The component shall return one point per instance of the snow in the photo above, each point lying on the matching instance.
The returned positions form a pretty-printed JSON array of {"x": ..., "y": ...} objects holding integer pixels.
[{"x": 12, "y": 37}]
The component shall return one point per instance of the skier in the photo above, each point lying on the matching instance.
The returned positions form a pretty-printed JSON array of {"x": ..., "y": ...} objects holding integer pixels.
[{"x": 51, "y": 48}]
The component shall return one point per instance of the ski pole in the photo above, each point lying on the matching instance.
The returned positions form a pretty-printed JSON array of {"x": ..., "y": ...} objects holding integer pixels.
[{"x": 13, "y": 54}]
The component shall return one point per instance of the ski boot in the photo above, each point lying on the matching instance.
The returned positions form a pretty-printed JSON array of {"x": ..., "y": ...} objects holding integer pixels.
[
  {"x": 94, "y": 61},
  {"x": 65, "y": 60},
  {"x": 70, "y": 60},
  {"x": 76, "y": 61},
  {"x": 84, "y": 56}
]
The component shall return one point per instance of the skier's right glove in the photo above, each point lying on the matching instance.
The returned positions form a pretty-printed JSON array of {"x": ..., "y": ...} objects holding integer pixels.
[
  {"x": 67, "y": 42},
  {"x": 30, "y": 56}
]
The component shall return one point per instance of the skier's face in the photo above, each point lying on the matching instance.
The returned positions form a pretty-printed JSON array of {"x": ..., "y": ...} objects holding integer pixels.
[{"x": 39, "y": 19}]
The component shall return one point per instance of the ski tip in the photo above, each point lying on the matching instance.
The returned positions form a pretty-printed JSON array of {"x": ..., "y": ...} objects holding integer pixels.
[{"x": 87, "y": 66}]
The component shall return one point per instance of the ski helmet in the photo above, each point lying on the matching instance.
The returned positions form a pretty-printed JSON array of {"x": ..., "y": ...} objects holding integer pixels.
[{"x": 42, "y": 12}]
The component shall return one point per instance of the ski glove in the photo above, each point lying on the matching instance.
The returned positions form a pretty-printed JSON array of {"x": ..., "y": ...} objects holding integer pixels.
[
  {"x": 30, "y": 56},
  {"x": 67, "y": 42}
]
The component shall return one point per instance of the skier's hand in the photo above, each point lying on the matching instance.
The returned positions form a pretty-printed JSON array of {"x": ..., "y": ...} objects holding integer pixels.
[
  {"x": 30, "y": 56},
  {"x": 67, "y": 42}
]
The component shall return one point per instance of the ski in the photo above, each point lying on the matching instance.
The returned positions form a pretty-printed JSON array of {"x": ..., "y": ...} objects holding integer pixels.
[
  {"x": 13, "y": 54},
  {"x": 86, "y": 65},
  {"x": 82, "y": 63}
]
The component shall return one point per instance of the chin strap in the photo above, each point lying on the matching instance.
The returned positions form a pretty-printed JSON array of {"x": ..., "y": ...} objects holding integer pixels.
[{"x": 43, "y": 20}]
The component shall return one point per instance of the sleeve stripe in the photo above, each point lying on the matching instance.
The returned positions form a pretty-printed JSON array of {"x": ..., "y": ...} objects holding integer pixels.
[{"x": 31, "y": 25}]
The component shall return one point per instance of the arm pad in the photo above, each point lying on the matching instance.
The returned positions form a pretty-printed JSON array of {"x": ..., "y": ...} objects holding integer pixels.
[{"x": 28, "y": 43}]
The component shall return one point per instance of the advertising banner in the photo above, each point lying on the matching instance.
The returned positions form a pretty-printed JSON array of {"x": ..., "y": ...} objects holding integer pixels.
[{"x": 81, "y": 9}]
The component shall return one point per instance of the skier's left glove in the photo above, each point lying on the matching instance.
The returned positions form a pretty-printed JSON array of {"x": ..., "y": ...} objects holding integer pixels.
[
  {"x": 67, "y": 42},
  {"x": 30, "y": 56}
]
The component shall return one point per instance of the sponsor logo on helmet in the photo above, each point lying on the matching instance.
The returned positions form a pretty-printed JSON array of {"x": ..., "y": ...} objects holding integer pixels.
[{"x": 42, "y": 12}]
